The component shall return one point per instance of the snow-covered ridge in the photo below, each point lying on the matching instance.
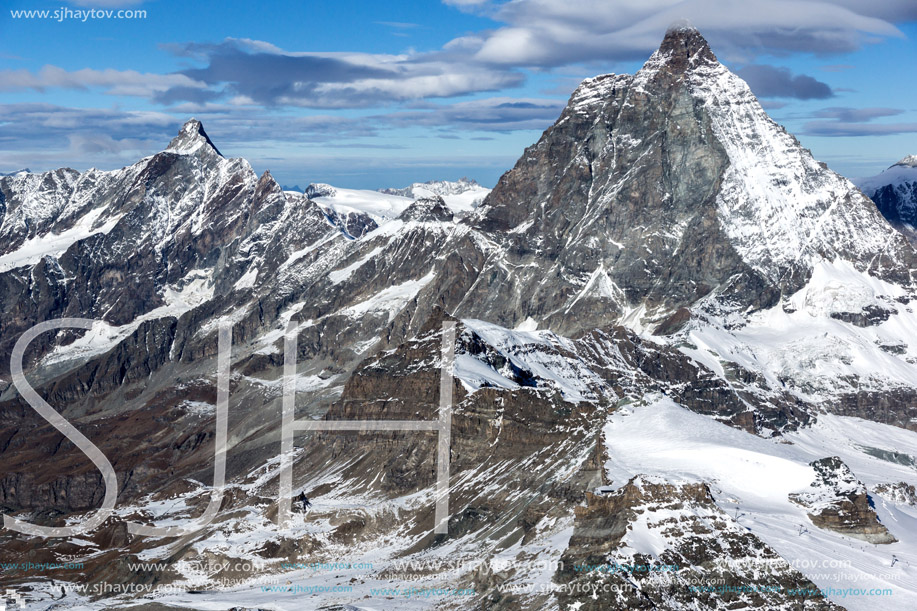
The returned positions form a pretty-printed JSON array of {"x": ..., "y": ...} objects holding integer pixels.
[
  {"x": 779, "y": 206},
  {"x": 462, "y": 195},
  {"x": 53, "y": 210},
  {"x": 808, "y": 345},
  {"x": 42, "y": 198},
  {"x": 380, "y": 207},
  {"x": 539, "y": 354},
  {"x": 54, "y": 245},
  {"x": 193, "y": 290}
]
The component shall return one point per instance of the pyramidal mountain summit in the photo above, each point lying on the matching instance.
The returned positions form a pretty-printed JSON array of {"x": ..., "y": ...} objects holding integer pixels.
[
  {"x": 191, "y": 137},
  {"x": 682, "y": 345}
]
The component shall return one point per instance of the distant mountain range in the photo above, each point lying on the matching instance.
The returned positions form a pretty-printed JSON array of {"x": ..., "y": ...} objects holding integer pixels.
[{"x": 360, "y": 211}]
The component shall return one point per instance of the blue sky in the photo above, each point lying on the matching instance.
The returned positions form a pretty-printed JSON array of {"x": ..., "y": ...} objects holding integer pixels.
[{"x": 372, "y": 94}]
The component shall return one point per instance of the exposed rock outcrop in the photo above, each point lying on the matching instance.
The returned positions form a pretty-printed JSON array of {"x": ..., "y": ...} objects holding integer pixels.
[
  {"x": 840, "y": 502},
  {"x": 654, "y": 544}
]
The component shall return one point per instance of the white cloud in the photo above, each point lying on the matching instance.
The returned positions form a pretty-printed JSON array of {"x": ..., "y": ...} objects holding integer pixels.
[
  {"x": 261, "y": 72},
  {"x": 116, "y": 82},
  {"x": 558, "y": 32}
]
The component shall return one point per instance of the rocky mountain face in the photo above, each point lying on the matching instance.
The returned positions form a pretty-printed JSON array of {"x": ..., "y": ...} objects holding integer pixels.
[
  {"x": 678, "y": 162},
  {"x": 665, "y": 243},
  {"x": 839, "y": 501},
  {"x": 895, "y": 193},
  {"x": 695, "y": 555}
]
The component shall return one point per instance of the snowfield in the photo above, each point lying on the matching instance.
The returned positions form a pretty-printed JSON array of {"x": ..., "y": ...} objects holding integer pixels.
[
  {"x": 751, "y": 478},
  {"x": 54, "y": 245},
  {"x": 802, "y": 346},
  {"x": 386, "y": 204}
]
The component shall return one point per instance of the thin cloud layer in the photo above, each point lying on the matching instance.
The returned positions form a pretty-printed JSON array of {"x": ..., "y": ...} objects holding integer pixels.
[
  {"x": 115, "y": 82},
  {"x": 47, "y": 135},
  {"x": 548, "y": 33},
  {"x": 773, "y": 82},
  {"x": 261, "y": 73},
  {"x": 853, "y": 122},
  {"x": 494, "y": 114}
]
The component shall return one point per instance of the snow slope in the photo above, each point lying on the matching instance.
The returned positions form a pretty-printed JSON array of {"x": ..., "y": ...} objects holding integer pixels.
[
  {"x": 803, "y": 344},
  {"x": 751, "y": 479},
  {"x": 463, "y": 195},
  {"x": 538, "y": 353},
  {"x": 54, "y": 245},
  {"x": 386, "y": 204},
  {"x": 780, "y": 207},
  {"x": 380, "y": 207}
]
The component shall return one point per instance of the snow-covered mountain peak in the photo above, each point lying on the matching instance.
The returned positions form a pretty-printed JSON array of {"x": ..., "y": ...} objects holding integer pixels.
[
  {"x": 677, "y": 163},
  {"x": 319, "y": 189},
  {"x": 428, "y": 209},
  {"x": 190, "y": 139},
  {"x": 682, "y": 50},
  {"x": 908, "y": 162}
]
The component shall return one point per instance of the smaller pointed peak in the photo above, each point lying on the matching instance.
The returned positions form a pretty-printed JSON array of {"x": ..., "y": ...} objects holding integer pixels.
[
  {"x": 190, "y": 138},
  {"x": 267, "y": 185},
  {"x": 908, "y": 162},
  {"x": 266, "y": 180},
  {"x": 428, "y": 209}
]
